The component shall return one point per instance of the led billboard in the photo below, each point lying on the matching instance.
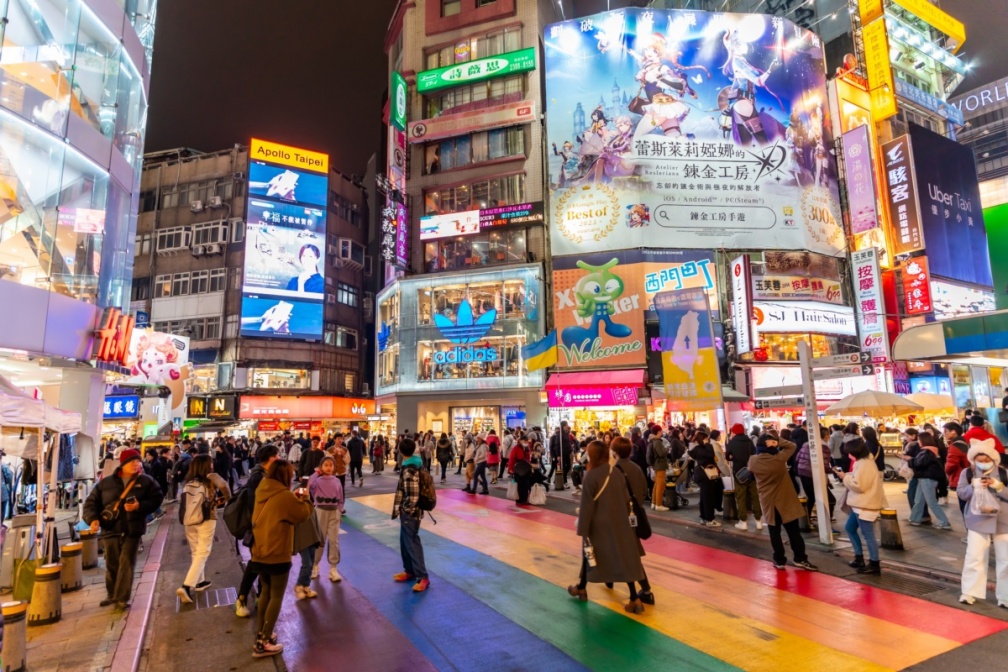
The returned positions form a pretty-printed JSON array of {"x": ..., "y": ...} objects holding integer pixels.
[
  {"x": 689, "y": 129},
  {"x": 283, "y": 286}
]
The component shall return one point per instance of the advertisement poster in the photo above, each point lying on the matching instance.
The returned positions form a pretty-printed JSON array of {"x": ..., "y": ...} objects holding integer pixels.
[
  {"x": 949, "y": 195},
  {"x": 156, "y": 358},
  {"x": 803, "y": 317},
  {"x": 283, "y": 285},
  {"x": 869, "y": 304},
  {"x": 689, "y": 129},
  {"x": 690, "y": 367},
  {"x": 741, "y": 298},
  {"x": 860, "y": 180},
  {"x": 904, "y": 212},
  {"x": 996, "y": 221},
  {"x": 453, "y": 224},
  {"x": 402, "y": 235},
  {"x": 600, "y": 301},
  {"x": 917, "y": 286},
  {"x": 796, "y": 288}
]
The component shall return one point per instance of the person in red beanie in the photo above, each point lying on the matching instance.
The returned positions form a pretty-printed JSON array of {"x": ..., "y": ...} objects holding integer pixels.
[
  {"x": 738, "y": 450},
  {"x": 119, "y": 505}
]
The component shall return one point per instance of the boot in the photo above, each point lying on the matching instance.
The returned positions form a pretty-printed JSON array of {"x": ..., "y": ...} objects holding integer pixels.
[
  {"x": 857, "y": 562},
  {"x": 873, "y": 567}
]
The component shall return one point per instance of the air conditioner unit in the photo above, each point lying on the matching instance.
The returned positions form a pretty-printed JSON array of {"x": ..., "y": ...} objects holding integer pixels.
[
  {"x": 213, "y": 248},
  {"x": 198, "y": 250},
  {"x": 216, "y": 202},
  {"x": 196, "y": 206},
  {"x": 351, "y": 253},
  {"x": 239, "y": 176}
]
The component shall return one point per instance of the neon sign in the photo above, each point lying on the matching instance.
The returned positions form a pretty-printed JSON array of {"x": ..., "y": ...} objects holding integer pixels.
[{"x": 463, "y": 331}]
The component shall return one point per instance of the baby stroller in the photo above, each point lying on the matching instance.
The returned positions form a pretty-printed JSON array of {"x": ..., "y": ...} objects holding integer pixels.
[{"x": 678, "y": 480}]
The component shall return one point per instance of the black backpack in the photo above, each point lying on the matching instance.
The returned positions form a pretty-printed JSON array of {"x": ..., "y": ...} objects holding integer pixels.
[{"x": 237, "y": 514}]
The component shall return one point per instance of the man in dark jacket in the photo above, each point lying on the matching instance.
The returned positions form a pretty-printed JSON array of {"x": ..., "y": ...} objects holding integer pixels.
[
  {"x": 738, "y": 450},
  {"x": 134, "y": 496},
  {"x": 638, "y": 455},
  {"x": 311, "y": 459},
  {"x": 561, "y": 450},
  {"x": 356, "y": 447}
]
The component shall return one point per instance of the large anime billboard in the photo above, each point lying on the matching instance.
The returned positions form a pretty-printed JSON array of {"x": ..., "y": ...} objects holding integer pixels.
[{"x": 690, "y": 130}]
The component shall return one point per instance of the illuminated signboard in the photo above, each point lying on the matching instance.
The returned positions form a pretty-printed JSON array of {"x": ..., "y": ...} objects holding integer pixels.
[
  {"x": 222, "y": 408},
  {"x": 740, "y": 280},
  {"x": 82, "y": 220},
  {"x": 800, "y": 317},
  {"x": 480, "y": 119},
  {"x": 476, "y": 71},
  {"x": 870, "y": 304},
  {"x": 121, "y": 408},
  {"x": 452, "y": 224},
  {"x": 395, "y": 234},
  {"x": 640, "y": 162},
  {"x": 113, "y": 337},
  {"x": 880, "y": 77},
  {"x": 904, "y": 211},
  {"x": 505, "y": 215},
  {"x": 196, "y": 407},
  {"x": 917, "y": 286},
  {"x": 935, "y": 17},
  {"x": 283, "y": 286},
  {"x": 860, "y": 180},
  {"x": 397, "y": 116}
]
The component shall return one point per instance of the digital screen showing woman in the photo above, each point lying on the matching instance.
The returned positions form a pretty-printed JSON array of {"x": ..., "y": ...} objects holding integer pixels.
[{"x": 309, "y": 279}]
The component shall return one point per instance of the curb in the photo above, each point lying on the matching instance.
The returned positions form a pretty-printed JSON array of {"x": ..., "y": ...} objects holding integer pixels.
[{"x": 127, "y": 655}]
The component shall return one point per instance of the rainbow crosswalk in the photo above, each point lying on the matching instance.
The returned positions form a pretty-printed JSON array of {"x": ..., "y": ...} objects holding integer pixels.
[{"x": 498, "y": 601}]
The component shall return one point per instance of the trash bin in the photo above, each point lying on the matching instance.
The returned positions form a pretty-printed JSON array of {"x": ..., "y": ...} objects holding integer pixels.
[
  {"x": 89, "y": 554},
  {"x": 47, "y": 602},
  {"x": 890, "y": 535},
  {"x": 72, "y": 576}
]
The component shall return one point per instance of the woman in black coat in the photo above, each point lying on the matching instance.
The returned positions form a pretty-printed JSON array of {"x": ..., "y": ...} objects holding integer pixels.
[{"x": 710, "y": 488}]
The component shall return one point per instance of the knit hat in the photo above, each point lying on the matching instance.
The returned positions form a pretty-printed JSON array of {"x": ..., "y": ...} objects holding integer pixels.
[
  {"x": 129, "y": 455},
  {"x": 981, "y": 447},
  {"x": 737, "y": 428}
]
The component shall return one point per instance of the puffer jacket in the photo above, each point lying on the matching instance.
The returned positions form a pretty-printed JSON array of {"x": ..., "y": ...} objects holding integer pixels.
[
  {"x": 864, "y": 485},
  {"x": 927, "y": 465},
  {"x": 443, "y": 452}
]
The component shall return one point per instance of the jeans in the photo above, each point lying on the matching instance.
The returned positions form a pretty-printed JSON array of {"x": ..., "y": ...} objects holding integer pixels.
[
  {"x": 867, "y": 529},
  {"x": 658, "y": 495},
  {"x": 410, "y": 547},
  {"x": 355, "y": 468},
  {"x": 444, "y": 470},
  {"x": 120, "y": 558},
  {"x": 307, "y": 561},
  {"x": 479, "y": 475},
  {"x": 200, "y": 538},
  {"x": 912, "y": 486},
  {"x": 794, "y": 536},
  {"x": 329, "y": 523},
  {"x": 746, "y": 498},
  {"x": 927, "y": 491},
  {"x": 974, "y": 576}
]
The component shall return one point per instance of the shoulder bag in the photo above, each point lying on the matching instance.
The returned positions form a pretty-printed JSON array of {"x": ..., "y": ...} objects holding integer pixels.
[
  {"x": 110, "y": 514},
  {"x": 637, "y": 512}
]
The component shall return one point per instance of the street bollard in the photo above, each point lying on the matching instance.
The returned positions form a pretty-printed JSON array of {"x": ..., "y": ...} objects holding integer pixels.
[
  {"x": 72, "y": 577},
  {"x": 729, "y": 507},
  {"x": 891, "y": 537},
  {"x": 90, "y": 551},
  {"x": 14, "y": 636},
  {"x": 804, "y": 524},
  {"x": 47, "y": 602}
]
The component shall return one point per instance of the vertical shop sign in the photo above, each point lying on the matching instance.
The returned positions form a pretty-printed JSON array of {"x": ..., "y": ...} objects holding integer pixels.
[
  {"x": 741, "y": 274},
  {"x": 917, "y": 286},
  {"x": 398, "y": 88},
  {"x": 860, "y": 180},
  {"x": 880, "y": 76},
  {"x": 401, "y": 236},
  {"x": 904, "y": 211},
  {"x": 869, "y": 304},
  {"x": 690, "y": 365}
]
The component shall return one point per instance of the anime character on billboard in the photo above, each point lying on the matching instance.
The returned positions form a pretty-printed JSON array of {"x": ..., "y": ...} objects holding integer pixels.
[
  {"x": 158, "y": 360},
  {"x": 571, "y": 158},
  {"x": 661, "y": 72},
  {"x": 663, "y": 114},
  {"x": 638, "y": 215},
  {"x": 594, "y": 295},
  {"x": 745, "y": 76}
]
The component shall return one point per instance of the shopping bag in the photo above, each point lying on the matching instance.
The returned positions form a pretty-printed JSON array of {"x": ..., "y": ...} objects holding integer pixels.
[
  {"x": 537, "y": 497},
  {"x": 984, "y": 503},
  {"x": 512, "y": 491}
]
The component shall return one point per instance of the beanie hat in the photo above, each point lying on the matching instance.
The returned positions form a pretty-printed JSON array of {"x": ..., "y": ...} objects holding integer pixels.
[
  {"x": 981, "y": 447},
  {"x": 128, "y": 455},
  {"x": 737, "y": 428}
]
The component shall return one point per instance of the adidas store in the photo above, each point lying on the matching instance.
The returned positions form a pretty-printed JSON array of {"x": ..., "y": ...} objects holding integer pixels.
[{"x": 449, "y": 350}]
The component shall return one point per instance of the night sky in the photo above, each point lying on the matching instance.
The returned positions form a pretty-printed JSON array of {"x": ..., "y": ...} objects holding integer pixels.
[{"x": 312, "y": 73}]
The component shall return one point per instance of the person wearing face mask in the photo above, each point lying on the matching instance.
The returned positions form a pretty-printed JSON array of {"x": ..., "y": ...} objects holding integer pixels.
[{"x": 984, "y": 528}]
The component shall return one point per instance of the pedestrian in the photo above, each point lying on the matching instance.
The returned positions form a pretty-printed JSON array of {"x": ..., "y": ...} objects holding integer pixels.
[
  {"x": 738, "y": 450},
  {"x": 470, "y": 463},
  {"x": 443, "y": 452},
  {"x": 480, "y": 456},
  {"x": 202, "y": 491},
  {"x": 427, "y": 453},
  {"x": 311, "y": 458},
  {"x": 405, "y": 508},
  {"x": 326, "y": 494},
  {"x": 224, "y": 464},
  {"x": 623, "y": 448},
  {"x": 264, "y": 457},
  {"x": 493, "y": 460},
  {"x": 708, "y": 477},
  {"x": 956, "y": 460},
  {"x": 984, "y": 475},
  {"x": 870, "y": 437},
  {"x": 866, "y": 498},
  {"x": 521, "y": 468},
  {"x": 657, "y": 457},
  {"x": 119, "y": 506},
  {"x": 611, "y": 550},
  {"x": 778, "y": 499},
  {"x": 803, "y": 464},
  {"x": 929, "y": 470},
  {"x": 356, "y": 448},
  {"x": 835, "y": 444},
  {"x": 277, "y": 511},
  {"x": 507, "y": 443}
]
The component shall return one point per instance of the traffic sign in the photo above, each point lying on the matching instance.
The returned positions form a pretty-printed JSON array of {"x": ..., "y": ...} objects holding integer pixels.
[
  {"x": 782, "y": 391},
  {"x": 785, "y": 402},
  {"x": 843, "y": 372},
  {"x": 849, "y": 359}
]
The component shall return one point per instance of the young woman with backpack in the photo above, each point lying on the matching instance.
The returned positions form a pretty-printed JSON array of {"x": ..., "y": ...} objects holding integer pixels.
[{"x": 197, "y": 513}]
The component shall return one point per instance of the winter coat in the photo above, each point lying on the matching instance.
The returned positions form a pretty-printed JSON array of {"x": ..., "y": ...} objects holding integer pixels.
[
  {"x": 955, "y": 463},
  {"x": 984, "y": 524},
  {"x": 927, "y": 465},
  {"x": 277, "y": 511},
  {"x": 306, "y": 533},
  {"x": 108, "y": 490},
  {"x": 658, "y": 454},
  {"x": 606, "y": 524},
  {"x": 864, "y": 486},
  {"x": 443, "y": 450},
  {"x": 774, "y": 484},
  {"x": 738, "y": 450}
]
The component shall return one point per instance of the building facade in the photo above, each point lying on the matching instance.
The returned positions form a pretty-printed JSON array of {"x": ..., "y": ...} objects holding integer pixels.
[
  {"x": 73, "y": 114},
  {"x": 198, "y": 224}
]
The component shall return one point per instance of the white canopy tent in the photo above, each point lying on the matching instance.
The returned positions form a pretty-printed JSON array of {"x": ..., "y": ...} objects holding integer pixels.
[{"x": 20, "y": 411}]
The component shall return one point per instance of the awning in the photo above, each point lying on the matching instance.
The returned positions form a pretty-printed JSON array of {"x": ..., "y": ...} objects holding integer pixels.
[
  {"x": 621, "y": 378},
  {"x": 731, "y": 395},
  {"x": 975, "y": 339},
  {"x": 203, "y": 356}
]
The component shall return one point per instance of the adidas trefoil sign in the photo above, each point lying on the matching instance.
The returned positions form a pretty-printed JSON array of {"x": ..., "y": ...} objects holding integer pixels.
[{"x": 465, "y": 331}]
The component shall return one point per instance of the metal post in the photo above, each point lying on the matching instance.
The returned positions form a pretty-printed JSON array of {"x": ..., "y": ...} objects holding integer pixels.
[
  {"x": 815, "y": 444},
  {"x": 51, "y": 543}
]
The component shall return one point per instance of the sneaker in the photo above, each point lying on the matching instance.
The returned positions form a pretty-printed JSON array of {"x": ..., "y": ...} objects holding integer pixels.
[
  {"x": 265, "y": 648},
  {"x": 742, "y": 525},
  {"x": 314, "y": 572},
  {"x": 943, "y": 527},
  {"x": 308, "y": 593},
  {"x": 661, "y": 508},
  {"x": 1003, "y": 605},
  {"x": 780, "y": 565},
  {"x": 421, "y": 585},
  {"x": 185, "y": 594},
  {"x": 759, "y": 524},
  {"x": 402, "y": 577},
  {"x": 203, "y": 585},
  {"x": 443, "y": 480},
  {"x": 913, "y": 523},
  {"x": 361, "y": 482},
  {"x": 334, "y": 575},
  {"x": 241, "y": 609},
  {"x": 967, "y": 599},
  {"x": 107, "y": 602},
  {"x": 711, "y": 523},
  {"x": 943, "y": 501},
  {"x": 806, "y": 565},
  {"x": 299, "y": 592}
]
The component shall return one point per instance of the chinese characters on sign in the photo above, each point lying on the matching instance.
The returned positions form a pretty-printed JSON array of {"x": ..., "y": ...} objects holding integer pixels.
[
  {"x": 524, "y": 213},
  {"x": 740, "y": 279},
  {"x": 869, "y": 304},
  {"x": 860, "y": 180},
  {"x": 676, "y": 274},
  {"x": 402, "y": 236},
  {"x": 880, "y": 77},
  {"x": 796, "y": 288},
  {"x": 917, "y": 286},
  {"x": 118, "y": 408},
  {"x": 904, "y": 212},
  {"x": 501, "y": 65}
]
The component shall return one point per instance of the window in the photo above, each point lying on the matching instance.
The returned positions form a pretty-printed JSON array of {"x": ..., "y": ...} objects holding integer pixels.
[
  {"x": 200, "y": 282},
  {"x": 349, "y": 378},
  {"x": 330, "y": 299},
  {"x": 348, "y": 211},
  {"x": 479, "y": 46},
  {"x": 347, "y": 294},
  {"x": 148, "y": 200},
  {"x": 218, "y": 279},
  {"x": 209, "y": 232},
  {"x": 346, "y": 338},
  {"x": 162, "y": 286},
  {"x": 450, "y": 7},
  {"x": 509, "y": 190},
  {"x": 238, "y": 231},
  {"x": 488, "y": 248},
  {"x": 212, "y": 327},
  {"x": 329, "y": 336},
  {"x": 169, "y": 199},
  {"x": 143, "y": 245},
  {"x": 231, "y": 326},
  {"x": 140, "y": 290},
  {"x": 475, "y": 148},
  {"x": 478, "y": 95},
  {"x": 180, "y": 284},
  {"x": 176, "y": 238}
]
